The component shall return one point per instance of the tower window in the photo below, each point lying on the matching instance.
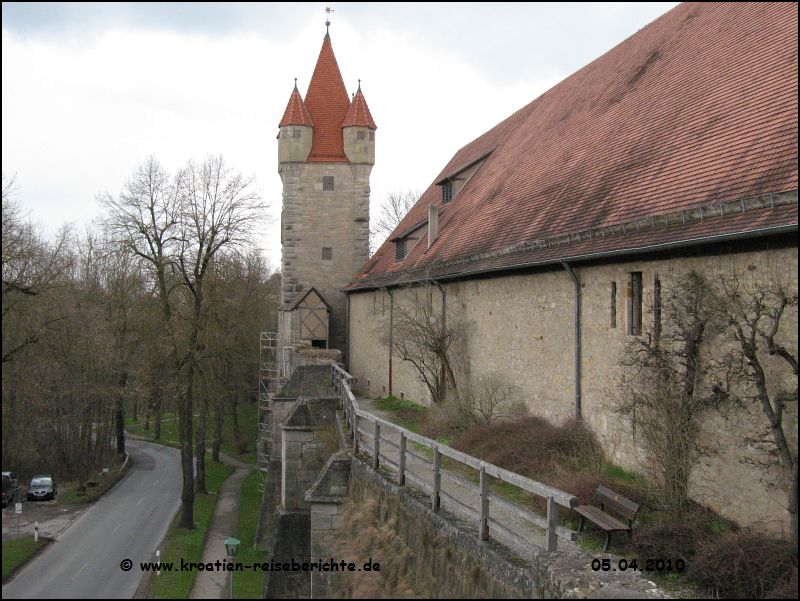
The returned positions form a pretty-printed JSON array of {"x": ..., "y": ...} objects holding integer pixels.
[
  {"x": 295, "y": 133},
  {"x": 360, "y": 135},
  {"x": 327, "y": 182},
  {"x": 327, "y": 253},
  {"x": 372, "y": 136},
  {"x": 447, "y": 191}
]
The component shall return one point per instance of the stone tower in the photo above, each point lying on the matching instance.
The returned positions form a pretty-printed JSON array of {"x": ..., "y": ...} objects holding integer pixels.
[{"x": 326, "y": 150}]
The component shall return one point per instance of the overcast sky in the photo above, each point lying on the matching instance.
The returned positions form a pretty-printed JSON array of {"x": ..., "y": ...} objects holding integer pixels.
[{"x": 90, "y": 90}]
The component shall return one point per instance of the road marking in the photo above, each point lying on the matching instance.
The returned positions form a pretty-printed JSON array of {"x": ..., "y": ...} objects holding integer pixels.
[
  {"x": 115, "y": 529},
  {"x": 156, "y": 482},
  {"x": 140, "y": 501},
  {"x": 81, "y": 570}
]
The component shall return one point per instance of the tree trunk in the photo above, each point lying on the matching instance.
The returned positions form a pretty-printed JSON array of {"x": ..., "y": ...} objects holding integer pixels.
[
  {"x": 120, "y": 413},
  {"x": 187, "y": 457},
  {"x": 218, "y": 415},
  {"x": 235, "y": 417},
  {"x": 200, "y": 478}
]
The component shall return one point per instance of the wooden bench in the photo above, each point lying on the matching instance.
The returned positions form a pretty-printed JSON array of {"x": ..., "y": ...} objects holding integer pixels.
[{"x": 608, "y": 499}]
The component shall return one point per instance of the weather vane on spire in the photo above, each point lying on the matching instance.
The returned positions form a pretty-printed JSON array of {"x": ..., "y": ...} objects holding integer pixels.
[{"x": 328, "y": 11}]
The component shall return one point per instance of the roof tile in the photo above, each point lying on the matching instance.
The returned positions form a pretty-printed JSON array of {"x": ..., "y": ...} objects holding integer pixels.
[
  {"x": 698, "y": 107},
  {"x": 328, "y": 104}
]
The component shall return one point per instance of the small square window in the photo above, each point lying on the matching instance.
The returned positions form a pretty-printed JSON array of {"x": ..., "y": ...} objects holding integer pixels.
[
  {"x": 295, "y": 133},
  {"x": 327, "y": 182},
  {"x": 360, "y": 135},
  {"x": 327, "y": 253}
]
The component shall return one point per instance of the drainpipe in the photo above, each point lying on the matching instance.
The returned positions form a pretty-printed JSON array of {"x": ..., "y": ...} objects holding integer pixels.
[
  {"x": 347, "y": 336},
  {"x": 572, "y": 274},
  {"x": 391, "y": 335},
  {"x": 443, "y": 292}
]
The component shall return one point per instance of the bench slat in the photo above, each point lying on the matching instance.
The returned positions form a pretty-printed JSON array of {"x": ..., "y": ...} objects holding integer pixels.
[
  {"x": 616, "y": 503},
  {"x": 596, "y": 515}
]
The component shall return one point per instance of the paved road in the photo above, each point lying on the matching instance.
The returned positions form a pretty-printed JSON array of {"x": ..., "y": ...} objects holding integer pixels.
[{"x": 127, "y": 523}]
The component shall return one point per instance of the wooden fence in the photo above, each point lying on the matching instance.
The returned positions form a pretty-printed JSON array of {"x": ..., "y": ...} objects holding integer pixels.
[{"x": 370, "y": 438}]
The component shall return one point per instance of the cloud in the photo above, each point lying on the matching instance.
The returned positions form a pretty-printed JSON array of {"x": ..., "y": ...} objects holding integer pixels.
[{"x": 81, "y": 111}]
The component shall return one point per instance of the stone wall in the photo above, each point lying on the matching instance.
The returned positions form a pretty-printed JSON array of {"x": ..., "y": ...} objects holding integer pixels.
[
  {"x": 427, "y": 554},
  {"x": 308, "y": 439},
  {"x": 521, "y": 327}
]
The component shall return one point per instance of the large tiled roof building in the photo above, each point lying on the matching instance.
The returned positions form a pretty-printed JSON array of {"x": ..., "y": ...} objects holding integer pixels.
[{"x": 675, "y": 150}]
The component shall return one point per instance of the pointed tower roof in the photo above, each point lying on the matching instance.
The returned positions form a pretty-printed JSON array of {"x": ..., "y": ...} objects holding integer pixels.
[
  {"x": 359, "y": 114},
  {"x": 296, "y": 112},
  {"x": 328, "y": 104}
]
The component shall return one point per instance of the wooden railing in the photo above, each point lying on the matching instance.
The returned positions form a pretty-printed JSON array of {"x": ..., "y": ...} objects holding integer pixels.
[{"x": 354, "y": 416}]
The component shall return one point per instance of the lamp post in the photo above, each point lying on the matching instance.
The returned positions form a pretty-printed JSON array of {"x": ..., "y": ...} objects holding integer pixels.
[{"x": 231, "y": 546}]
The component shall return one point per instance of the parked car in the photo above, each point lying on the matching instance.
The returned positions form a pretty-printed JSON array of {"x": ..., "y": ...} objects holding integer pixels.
[
  {"x": 9, "y": 484},
  {"x": 41, "y": 487}
]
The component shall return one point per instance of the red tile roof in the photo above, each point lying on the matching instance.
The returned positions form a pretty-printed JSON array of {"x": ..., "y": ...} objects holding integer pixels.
[
  {"x": 698, "y": 107},
  {"x": 327, "y": 102},
  {"x": 359, "y": 114},
  {"x": 296, "y": 112}
]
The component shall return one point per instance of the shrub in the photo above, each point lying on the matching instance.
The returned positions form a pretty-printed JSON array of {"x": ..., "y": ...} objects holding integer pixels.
[
  {"x": 530, "y": 446},
  {"x": 672, "y": 538},
  {"x": 744, "y": 566},
  {"x": 489, "y": 400}
]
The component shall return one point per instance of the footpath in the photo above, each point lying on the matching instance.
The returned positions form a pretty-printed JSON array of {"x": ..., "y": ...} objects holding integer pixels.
[{"x": 214, "y": 584}]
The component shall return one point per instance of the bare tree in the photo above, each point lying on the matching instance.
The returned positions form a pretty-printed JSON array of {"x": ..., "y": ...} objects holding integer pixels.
[
  {"x": 31, "y": 265},
  {"x": 660, "y": 395},
  {"x": 219, "y": 210},
  {"x": 426, "y": 336},
  {"x": 177, "y": 227},
  {"x": 393, "y": 210},
  {"x": 761, "y": 315}
]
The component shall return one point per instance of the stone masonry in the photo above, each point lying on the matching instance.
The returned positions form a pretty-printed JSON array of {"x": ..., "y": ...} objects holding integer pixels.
[
  {"x": 313, "y": 219},
  {"x": 521, "y": 328}
]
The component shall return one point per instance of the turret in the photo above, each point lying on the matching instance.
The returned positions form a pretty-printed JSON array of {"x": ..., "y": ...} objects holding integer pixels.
[
  {"x": 296, "y": 131},
  {"x": 358, "y": 130}
]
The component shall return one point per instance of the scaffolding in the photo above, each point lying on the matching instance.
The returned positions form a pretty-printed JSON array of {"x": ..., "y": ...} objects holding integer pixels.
[{"x": 275, "y": 368}]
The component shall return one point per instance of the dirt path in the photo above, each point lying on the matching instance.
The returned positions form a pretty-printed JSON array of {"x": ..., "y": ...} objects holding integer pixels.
[{"x": 215, "y": 584}]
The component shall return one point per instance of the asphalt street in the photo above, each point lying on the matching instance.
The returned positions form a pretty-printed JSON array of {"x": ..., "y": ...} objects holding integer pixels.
[{"x": 127, "y": 523}]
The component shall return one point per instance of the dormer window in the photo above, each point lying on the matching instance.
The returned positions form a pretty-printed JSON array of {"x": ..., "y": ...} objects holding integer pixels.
[
  {"x": 400, "y": 249},
  {"x": 447, "y": 191}
]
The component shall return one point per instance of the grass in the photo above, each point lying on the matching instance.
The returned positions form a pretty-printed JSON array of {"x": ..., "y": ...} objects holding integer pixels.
[
  {"x": 249, "y": 584},
  {"x": 188, "y": 544},
  {"x": 248, "y": 420},
  {"x": 96, "y": 486},
  {"x": 17, "y": 552},
  {"x": 406, "y": 414}
]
